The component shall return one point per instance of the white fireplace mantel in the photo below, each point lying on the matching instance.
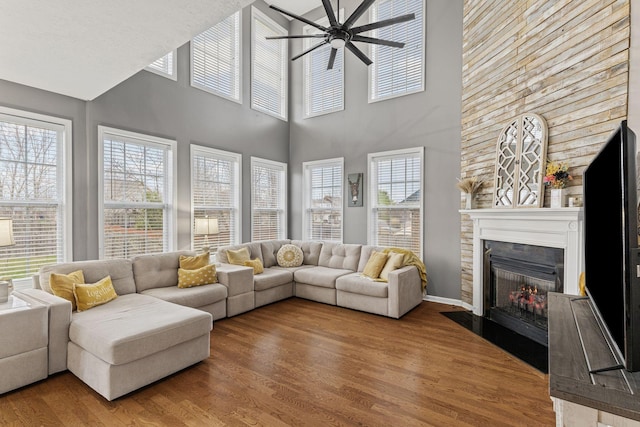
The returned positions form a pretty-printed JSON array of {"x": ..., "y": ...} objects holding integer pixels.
[{"x": 554, "y": 228}]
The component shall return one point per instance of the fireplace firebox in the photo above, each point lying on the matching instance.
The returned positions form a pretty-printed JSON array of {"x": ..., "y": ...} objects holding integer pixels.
[{"x": 517, "y": 278}]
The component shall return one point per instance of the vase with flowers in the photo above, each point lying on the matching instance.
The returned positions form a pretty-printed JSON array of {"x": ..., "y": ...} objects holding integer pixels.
[
  {"x": 470, "y": 186},
  {"x": 557, "y": 176}
]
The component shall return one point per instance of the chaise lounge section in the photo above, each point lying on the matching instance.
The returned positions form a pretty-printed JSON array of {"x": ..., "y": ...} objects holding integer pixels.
[{"x": 139, "y": 337}]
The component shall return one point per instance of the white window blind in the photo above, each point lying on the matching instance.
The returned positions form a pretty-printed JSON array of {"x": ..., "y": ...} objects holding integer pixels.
[
  {"x": 396, "y": 199},
  {"x": 216, "y": 193},
  {"x": 397, "y": 71},
  {"x": 216, "y": 59},
  {"x": 137, "y": 185},
  {"x": 323, "y": 200},
  {"x": 268, "y": 199},
  {"x": 323, "y": 89},
  {"x": 35, "y": 180},
  {"x": 269, "y": 68},
  {"x": 165, "y": 66}
]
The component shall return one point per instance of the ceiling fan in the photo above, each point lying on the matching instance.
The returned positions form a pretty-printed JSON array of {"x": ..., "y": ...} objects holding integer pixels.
[{"x": 342, "y": 35}]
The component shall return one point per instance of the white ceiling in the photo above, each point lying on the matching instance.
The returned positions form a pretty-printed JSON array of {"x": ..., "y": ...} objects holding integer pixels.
[{"x": 84, "y": 48}]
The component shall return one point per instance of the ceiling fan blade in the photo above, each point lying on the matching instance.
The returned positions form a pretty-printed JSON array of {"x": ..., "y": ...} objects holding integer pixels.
[
  {"x": 293, "y": 36},
  {"x": 314, "y": 47},
  {"x": 332, "y": 58},
  {"x": 366, "y": 4},
  {"x": 371, "y": 40},
  {"x": 298, "y": 17},
  {"x": 330, "y": 14},
  {"x": 357, "y": 52},
  {"x": 384, "y": 23}
]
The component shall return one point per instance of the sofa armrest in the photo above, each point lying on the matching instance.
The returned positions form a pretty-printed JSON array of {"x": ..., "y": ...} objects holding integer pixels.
[
  {"x": 405, "y": 290},
  {"x": 237, "y": 278},
  {"x": 59, "y": 320}
]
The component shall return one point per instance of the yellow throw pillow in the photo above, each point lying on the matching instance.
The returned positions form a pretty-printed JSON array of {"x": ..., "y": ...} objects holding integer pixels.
[
  {"x": 374, "y": 266},
  {"x": 62, "y": 285},
  {"x": 202, "y": 276},
  {"x": 194, "y": 262},
  {"x": 256, "y": 264},
  {"x": 238, "y": 257},
  {"x": 94, "y": 294},
  {"x": 393, "y": 263}
]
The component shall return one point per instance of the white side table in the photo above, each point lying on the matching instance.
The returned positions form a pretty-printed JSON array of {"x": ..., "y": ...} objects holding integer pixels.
[{"x": 23, "y": 343}]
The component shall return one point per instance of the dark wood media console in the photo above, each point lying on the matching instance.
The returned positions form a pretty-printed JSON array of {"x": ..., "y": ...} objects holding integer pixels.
[{"x": 578, "y": 346}]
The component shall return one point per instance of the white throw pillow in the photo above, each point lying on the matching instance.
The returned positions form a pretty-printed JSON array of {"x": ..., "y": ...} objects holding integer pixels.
[{"x": 289, "y": 256}]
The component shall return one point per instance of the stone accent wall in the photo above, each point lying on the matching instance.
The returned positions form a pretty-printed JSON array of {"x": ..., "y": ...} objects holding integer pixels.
[{"x": 566, "y": 60}]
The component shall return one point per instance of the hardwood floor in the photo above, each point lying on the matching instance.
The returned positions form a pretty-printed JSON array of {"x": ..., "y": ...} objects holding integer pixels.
[{"x": 298, "y": 362}]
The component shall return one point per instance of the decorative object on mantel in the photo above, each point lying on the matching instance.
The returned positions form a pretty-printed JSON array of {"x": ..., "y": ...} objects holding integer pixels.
[
  {"x": 556, "y": 176},
  {"x": 521, "y": 152},
  {"x": 470, "y": 187}
]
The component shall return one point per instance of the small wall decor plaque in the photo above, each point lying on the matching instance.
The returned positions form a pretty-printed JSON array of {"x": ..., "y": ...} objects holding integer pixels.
[{"x": 354, "y": 185}]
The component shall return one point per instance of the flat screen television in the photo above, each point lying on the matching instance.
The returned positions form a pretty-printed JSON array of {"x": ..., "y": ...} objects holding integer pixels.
[{"x": 611, "y": 244}]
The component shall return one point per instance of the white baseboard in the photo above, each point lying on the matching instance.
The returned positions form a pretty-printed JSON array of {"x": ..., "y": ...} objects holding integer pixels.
[{"x": 449, "y": 301}]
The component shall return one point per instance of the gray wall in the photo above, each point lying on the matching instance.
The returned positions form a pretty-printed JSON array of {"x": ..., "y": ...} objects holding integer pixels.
[
  {"x": 154, "y": 105},
  {"x": 39, "y": 101},
  {"x": 430, "y": 119}
]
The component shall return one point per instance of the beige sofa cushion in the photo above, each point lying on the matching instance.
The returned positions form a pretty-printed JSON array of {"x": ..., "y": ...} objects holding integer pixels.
[
  {"x": 120, "y": 270},
  {"x": 271, "y": 278},
  {"x": 341, "y": 256},
  {"x": 319, "y": 276},
  {"x": 157, "y": 270},
  {"x": 310, "y": 251},
  {"x": 270, "y": 250},
  {"x": 134, "y": 326},
  {"x": 356, "y": 284},
  {"x": 195, "y": 297}
]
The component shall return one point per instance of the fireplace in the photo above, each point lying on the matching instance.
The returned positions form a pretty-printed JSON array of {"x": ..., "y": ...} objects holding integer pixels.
[{"x": 517, "y": 279}]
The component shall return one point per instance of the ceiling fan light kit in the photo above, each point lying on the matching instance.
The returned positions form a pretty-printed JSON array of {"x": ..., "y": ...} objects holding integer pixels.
[{"x": 339, "y": 35}]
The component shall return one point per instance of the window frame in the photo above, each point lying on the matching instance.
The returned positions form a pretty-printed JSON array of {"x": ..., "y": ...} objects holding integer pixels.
[
  {"x": 282, "y": 210},
  {"x": 423, "y": 52},
  {"x": 238, "y": 57},
  {"x": 256, "y": 15},
  {"x": 372, "y": 203},
  {"x": 170, "y": 181},
  {"x": 64, "y": 175},
  {"x": 201, "y": 150},
  {"x": 307, "y": 72},
  {"x": 307, "y": 168},
  {"x": 173, "y": 75}
]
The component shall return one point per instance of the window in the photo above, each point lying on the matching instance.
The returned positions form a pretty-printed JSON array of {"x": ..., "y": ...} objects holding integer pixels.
[
  {"x": 395, "y": 196},
  {"x": 269, "y": 68},
  {"x": 268, "y": 199},
  {"x": 323, "y": 200},
  {"x": 323, "y": 89},
  {"x": 35, "y": 180},
  {"x": 397, "y": 71},
  {"x": 215, "y": 59},
  {"x": 137, "y": 181},
  {"x": 215, "y": 194},
  {"x": 165, "y": 66}
]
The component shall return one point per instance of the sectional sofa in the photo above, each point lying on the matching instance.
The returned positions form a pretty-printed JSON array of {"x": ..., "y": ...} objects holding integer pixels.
[
  {"x": 153, "y": 328},
  {"x": 330, "y": 273}
]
